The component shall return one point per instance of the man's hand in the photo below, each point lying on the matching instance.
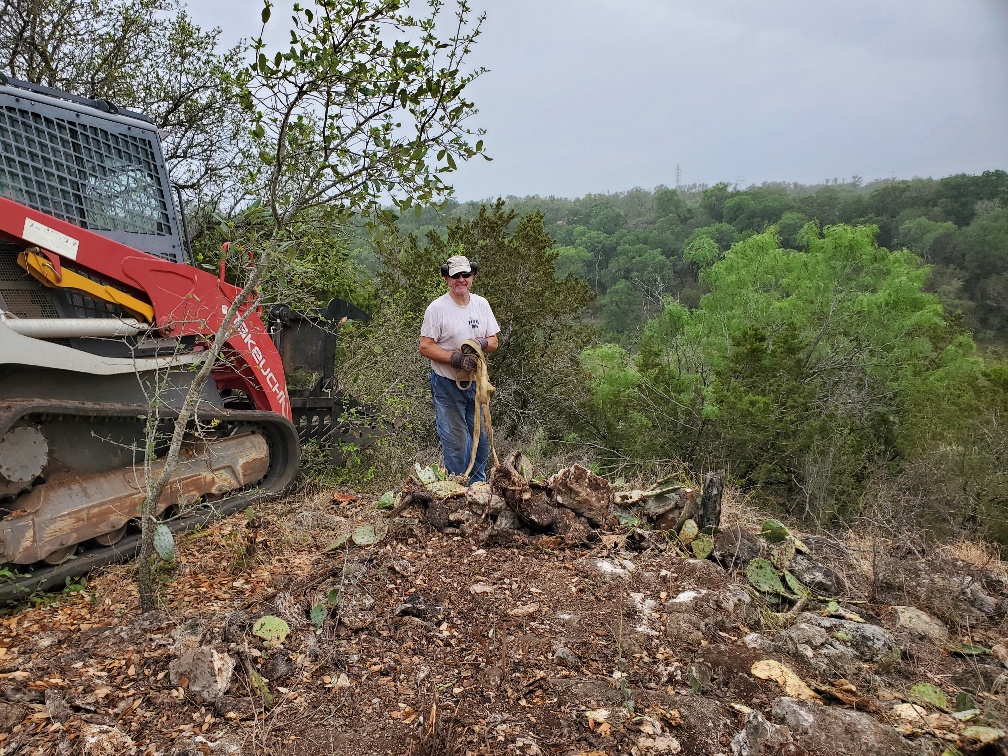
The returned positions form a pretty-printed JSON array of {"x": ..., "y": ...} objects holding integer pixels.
[
  {"x": 483, "y": 341},
  {"x": 461, "y": 361}
]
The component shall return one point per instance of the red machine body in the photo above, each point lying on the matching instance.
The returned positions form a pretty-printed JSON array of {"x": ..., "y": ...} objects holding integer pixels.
[{"x": 186, "y": 300}]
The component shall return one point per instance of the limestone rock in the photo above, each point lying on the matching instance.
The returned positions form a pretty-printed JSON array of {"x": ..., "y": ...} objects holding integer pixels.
[
  {"x": 758, "y": 737},
  {"x": 920, "y": 625},
  {"x": 207, "y": 670},
  {"x": 821, "y": 729},
  {"x": 579, "y": 489},
  {"x": 99, "y": 740},
  {"x": 819, "y": 578},
  {"x": 836, "y": 647}
]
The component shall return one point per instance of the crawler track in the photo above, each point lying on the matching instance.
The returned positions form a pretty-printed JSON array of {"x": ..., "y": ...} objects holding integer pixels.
[{"x": 279, "y": 433}]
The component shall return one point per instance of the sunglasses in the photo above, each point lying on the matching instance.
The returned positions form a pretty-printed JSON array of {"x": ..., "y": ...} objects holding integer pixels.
[{"x": 457, "y": 276}]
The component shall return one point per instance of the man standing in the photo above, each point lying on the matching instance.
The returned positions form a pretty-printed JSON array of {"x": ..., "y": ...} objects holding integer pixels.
[{"x": 450, "y": 320}]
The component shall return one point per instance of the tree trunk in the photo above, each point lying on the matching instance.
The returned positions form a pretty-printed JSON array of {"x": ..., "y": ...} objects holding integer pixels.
[{"x": 710, "y": 502}]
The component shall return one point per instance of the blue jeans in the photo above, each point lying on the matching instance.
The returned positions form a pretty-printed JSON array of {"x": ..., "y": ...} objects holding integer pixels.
[{"x": 454, "y": 411}]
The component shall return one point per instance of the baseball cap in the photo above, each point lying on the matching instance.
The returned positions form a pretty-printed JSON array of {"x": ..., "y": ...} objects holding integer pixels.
[{"x": 458, "y": 264}]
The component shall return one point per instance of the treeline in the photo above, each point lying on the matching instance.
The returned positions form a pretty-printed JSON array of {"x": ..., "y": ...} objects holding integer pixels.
[{"x": 638, "y": 248}]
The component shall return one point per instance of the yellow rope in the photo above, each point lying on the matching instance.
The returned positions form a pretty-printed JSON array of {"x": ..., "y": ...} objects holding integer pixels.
[{"x": 483, "y": 390}]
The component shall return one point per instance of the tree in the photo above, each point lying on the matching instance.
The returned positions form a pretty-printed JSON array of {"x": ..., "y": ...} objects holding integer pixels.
[
  {"x": 805, "y": 370},
  {"x": 536, "y": 370},
  {"x": 146, "y": 55},
  {"x": 350, "y": 111}
]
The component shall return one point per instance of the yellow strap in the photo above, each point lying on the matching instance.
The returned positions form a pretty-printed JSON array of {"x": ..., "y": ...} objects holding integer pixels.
[
  {"x": 483, "y": 390},
  {"x": 41, "y": 269}
]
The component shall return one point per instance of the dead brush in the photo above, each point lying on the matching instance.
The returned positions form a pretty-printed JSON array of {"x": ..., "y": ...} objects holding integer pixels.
[{"x": 440, "y": 735}]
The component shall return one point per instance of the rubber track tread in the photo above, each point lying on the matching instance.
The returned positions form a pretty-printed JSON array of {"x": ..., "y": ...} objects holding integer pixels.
[{"x": 285, "y": 454}]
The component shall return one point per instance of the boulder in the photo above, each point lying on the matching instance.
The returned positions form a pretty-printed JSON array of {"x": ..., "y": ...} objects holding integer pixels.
[
  {"x": 206, "y": 670},
  {"x": 735, "y": 547},
  {"x": 918, "y": 625},
  {"x": 822, "y": 729},
  {"x": 819, "y": 578},
  {"x": 579, "y": 489},
  {"x": 758, "y": 737},
  {"x": 836, "y": 647}
]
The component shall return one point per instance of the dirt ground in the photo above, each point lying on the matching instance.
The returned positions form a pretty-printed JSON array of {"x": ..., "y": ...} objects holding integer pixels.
[{"x": 434, "y": 644}]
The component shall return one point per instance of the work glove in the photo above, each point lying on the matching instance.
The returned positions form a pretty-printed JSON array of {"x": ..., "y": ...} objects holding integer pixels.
[
  {"x": 461, "y": 361},
  {"x": 483, "y": 341}
]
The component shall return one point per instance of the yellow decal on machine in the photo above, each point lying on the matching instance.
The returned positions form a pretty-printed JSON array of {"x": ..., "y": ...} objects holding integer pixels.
[{"x": 50, "y": 238}]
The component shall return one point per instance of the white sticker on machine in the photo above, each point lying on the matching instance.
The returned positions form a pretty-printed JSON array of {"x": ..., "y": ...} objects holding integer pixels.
[{"x": 50, "y": 238}]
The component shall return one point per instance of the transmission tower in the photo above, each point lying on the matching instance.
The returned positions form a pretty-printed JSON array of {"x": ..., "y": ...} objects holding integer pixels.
[{"x": 678, "y": 175}]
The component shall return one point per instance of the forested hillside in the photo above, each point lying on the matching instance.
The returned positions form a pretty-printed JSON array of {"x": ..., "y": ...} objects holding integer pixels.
[
  {"x": 638, "y": 247},
  {"x": 839, "y": 348}
]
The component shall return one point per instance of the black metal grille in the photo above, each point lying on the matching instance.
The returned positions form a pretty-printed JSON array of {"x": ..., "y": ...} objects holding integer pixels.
[
  {"x": 27, "y": 304},
  {"x": 9, "y": 269},
  {"x": 81, "y": 173}
]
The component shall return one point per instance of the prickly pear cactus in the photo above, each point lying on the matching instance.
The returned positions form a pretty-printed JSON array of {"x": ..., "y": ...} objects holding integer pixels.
[
  {"x": 164, "y": 543},
  {"x": 774, "y": 531},
  {"x": 368, "y": 535},
  {"x": 272, "y": 630},
  {"x": 702, "y": 546},
  {"x": 782, "y": 553},
  {"x": 688, "y": 532},
  {"x": 795, "y": 585},
  {"x": 926, "y": 693},
  {"x": 764, "y": 576}
]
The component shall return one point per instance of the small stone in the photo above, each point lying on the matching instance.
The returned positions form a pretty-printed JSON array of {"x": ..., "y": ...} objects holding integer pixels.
[
  {"x": 1000, "y": 652},
  {"x": 207, "y": 670},
  {"x": 760, "y": 738},
  {"x": 99, "y": 740},
  {"x": 920, "y": 624},
  {"x": 59, "y": 710},
  {"x": 566, "y": 657}
]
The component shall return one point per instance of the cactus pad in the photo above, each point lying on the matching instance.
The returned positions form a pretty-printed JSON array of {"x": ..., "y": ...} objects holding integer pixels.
[
  {"x": 926, "y": 693},
  {"x": 164, "y": 543},
  {"x": 369, "y": 535},
  {"x": 688, "y": 532},
  {"x": 782, "y": 553},
  {"x": 272, "y": 630},
  {"x": 764, "y": 577},
  {"x": 702, "y": 546},
  {"x": 795, "y": 585}
]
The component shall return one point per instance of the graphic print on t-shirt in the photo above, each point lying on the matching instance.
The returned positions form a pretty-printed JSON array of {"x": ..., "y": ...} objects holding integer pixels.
[{"x": 474, "y": 323}]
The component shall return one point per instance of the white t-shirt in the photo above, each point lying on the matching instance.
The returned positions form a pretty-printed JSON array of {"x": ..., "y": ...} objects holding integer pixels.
[{"x": 450, "y": 324}]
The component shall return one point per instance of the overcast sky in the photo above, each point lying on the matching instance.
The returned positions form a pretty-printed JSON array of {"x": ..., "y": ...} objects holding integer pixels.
[{"x": 605, "y": 95}]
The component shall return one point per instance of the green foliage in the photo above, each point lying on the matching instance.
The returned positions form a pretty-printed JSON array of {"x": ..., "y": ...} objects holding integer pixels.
[
  {"x": 367, "y": 98},
  {"x": 536, "y": 370},
  {"x": 807, "y": 371}
]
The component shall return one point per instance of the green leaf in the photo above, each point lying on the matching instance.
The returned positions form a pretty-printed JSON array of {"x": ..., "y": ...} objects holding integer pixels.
[{"x": 266, "y": 13}]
